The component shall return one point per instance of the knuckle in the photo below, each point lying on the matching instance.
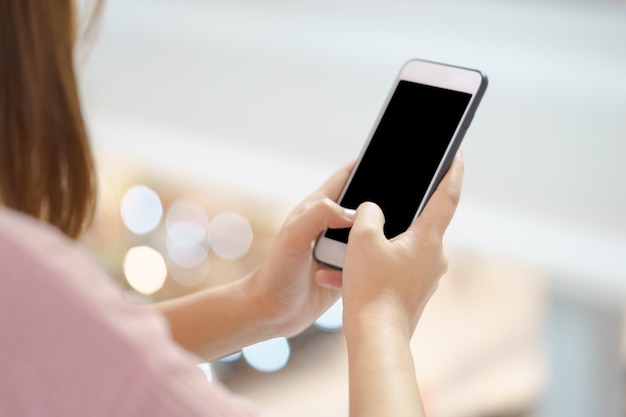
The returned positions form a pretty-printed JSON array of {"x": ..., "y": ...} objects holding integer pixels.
[
  {"x": 323, "y": 205},
  {"x": 364, "y": 231},
  {"x": 454, "y": 194}
]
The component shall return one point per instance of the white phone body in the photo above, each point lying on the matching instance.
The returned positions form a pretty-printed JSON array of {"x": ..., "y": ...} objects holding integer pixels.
[{"x": 409, "y": 149}]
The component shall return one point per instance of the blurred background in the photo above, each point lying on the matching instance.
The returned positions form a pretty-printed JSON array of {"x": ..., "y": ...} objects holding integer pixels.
[{"x": 211, "y": 119}]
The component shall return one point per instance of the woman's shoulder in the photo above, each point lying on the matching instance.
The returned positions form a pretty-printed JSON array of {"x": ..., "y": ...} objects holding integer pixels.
[
  {"x": 44, "y": 269},
  {"x": 41, "y": 254},
  {"x": 25, "y": 234},
  {"x": 15, "y": 223},
  {"x": 75, "y": 343},
  {"x": 49, "y": 272}
]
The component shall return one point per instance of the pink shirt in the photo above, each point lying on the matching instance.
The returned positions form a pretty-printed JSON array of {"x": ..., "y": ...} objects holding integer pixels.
[{"x": 71, "y": 345}]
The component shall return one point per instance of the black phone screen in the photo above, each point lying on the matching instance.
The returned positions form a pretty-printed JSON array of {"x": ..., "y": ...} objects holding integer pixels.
[{"x": 404, "y": 153}]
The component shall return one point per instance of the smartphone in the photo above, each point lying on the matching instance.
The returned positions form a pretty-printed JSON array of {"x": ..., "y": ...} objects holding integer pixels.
[{"x": 409, "y": 149}]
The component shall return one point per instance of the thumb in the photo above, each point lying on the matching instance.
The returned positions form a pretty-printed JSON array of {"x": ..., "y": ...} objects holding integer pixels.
[{"x": 369, "y": 221}]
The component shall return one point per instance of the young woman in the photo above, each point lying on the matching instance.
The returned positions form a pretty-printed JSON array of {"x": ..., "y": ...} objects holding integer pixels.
[{"x": 71, "y": 345}]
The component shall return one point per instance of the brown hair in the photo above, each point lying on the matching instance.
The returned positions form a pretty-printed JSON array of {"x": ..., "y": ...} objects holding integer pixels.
[{"x": 46, "y": 165}]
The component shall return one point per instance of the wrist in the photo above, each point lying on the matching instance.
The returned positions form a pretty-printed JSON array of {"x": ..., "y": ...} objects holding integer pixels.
[
  {"x": 376, "y": 320},
  {"x": 217, "y": 321},
  {"x": 257, "y": 319}
]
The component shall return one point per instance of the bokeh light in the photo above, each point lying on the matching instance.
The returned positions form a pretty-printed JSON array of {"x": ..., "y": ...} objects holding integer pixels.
[
  {"x": 141, "y": 209},
  {"x": 230, "y": 235},
  {"x": 268, "y": 356},
  {"x": 188, "y": 277},
  {"x": 186, "y": 253},
  {"x": 331, "y": 319},
  {"x": 186, "y": 224},
  {"x": 185, "y": 210},
  {"x": 145, "y": 269}
]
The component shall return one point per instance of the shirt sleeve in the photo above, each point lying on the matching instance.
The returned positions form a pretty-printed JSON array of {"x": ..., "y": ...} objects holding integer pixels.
[{"x": 72, "y": 345}]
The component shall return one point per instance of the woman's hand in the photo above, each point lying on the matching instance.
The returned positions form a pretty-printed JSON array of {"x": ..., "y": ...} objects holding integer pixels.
[
  {"x": 399, "y": 275},
  {"x": 386, "y": 285},
  {"x": 291, "y": 288},
  {"x": 283, "y": 296}
]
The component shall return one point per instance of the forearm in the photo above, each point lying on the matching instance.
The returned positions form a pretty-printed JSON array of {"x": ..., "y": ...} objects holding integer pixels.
[
  {"x": 218, "y": 321},
  {"x": 381, "y": 370}
]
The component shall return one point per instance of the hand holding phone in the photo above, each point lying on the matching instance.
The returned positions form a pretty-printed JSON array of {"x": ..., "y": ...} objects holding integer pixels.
[{"x": 410, "y": 148}]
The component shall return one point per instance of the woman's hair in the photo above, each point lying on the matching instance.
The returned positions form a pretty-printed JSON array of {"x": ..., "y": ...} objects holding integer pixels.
[{"x": 46, "y": 165}]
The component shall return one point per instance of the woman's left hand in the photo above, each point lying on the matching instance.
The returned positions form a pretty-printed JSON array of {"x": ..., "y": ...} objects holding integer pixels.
[
  {"x": 281, "y": 297},
  {"x": 289, "y": 285}
]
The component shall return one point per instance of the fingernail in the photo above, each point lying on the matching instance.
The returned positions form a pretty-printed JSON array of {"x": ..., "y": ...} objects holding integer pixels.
[{"x": 348, "y": 214}]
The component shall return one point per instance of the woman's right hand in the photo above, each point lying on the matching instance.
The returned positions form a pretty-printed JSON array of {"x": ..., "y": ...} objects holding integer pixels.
[
  {"x": 386, "y": 285},
  {"x": 399, "y": 275}
]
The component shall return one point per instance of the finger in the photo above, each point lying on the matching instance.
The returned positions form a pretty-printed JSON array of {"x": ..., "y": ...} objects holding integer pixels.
[
  {"x": 315, "y": 217},
  {"x": 440, "y": 208},
  {"x": 369, "y": 219},
  {"x": 329, "y": 278}
]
